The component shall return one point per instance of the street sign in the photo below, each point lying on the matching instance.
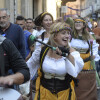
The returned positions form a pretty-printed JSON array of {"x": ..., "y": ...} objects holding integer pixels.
[{"x": 64, "y": 9}]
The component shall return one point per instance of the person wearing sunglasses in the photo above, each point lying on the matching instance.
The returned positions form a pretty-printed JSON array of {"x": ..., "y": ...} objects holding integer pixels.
[{"x": 85, "y": 43}]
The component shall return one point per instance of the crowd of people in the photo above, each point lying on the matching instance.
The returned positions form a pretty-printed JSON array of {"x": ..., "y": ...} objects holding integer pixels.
[{"x": 59, "y": 57}]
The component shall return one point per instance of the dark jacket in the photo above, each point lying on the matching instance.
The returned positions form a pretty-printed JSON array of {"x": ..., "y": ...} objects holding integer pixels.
[{"x": 13, "y": 60}]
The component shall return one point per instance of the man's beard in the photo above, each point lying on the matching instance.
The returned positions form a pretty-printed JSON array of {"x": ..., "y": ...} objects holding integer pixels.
[{"x": 3, "y": 25}]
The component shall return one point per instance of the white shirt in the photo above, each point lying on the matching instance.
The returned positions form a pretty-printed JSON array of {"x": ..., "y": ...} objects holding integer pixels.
[
  {"x": 37, "y": 45},
  {"x": 38, "y": 33},
  {"x": 80, "y": 44},
  {"x": 60, "y": 66},
  {"x": 34, "y": 32},
  {"x": 41, "y": 31}
]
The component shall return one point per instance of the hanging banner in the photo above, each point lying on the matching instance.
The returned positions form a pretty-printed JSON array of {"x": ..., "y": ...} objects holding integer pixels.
[{"x": 78, "y": 9}]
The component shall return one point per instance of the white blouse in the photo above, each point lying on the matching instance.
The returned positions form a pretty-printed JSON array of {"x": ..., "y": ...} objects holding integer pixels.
[
  {"x": 80, "y": 44},
  {"x": 34, "y": 32},
  {"x": 37, "y": 45},
  {"x": 55, "y": 66}
]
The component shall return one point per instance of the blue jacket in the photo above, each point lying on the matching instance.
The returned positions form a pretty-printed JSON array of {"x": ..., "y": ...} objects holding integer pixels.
[{"x": 27, "y": 34}]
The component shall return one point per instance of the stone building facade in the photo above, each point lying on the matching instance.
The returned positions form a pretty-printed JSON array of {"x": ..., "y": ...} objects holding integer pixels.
[
  {"x": 18, "y": 7},
  {"x": 31, "y": 8},
  {"x": 28, "y": 8},
  {"x": 88, "y": 7}
]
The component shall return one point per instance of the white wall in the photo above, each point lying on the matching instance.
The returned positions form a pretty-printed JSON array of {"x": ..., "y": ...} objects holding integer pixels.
[{"x": 51, "y": 8}]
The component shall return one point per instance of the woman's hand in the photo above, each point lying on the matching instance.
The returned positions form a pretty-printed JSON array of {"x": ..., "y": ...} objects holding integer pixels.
[
  {"x": 92, "y": 57},
  {"x": 62, "y": 51}
]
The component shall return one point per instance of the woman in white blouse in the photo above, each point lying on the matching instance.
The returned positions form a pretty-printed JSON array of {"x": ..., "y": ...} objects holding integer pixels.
[
  {"x": 84, "y": 42},
  {"x": 43, "y": 20},
  {"x": 57, "y": 68}
]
